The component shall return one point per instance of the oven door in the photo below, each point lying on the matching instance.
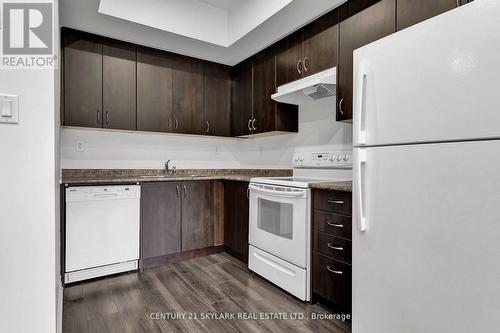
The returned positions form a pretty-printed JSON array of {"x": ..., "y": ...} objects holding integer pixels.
[{"x": 280, "y": 221}]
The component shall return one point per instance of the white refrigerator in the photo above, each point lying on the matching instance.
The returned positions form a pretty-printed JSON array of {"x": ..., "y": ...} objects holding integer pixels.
[{"x": 426, "y": 185}]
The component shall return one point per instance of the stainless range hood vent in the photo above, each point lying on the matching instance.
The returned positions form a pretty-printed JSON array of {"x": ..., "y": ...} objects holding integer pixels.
[
  {"x": 310, "y": 88},
  {"x": 320, "y": 91}
]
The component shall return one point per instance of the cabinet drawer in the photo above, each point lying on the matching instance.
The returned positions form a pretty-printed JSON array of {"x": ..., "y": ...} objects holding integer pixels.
[
  {"x": 333, "y": 224},
  {"x": 334, "y": 247},
  {"x": 333, "y": 201},
  {"x": 332, "y": 281}
]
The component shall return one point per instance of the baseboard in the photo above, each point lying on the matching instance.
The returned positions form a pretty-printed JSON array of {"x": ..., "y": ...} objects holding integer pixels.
[
  {"x": 171, "y": 258},
  {"x": 59, "y": 305}
]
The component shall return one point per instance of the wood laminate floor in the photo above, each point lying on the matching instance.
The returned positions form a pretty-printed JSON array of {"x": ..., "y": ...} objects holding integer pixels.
[{"x": 215, "y": 285}]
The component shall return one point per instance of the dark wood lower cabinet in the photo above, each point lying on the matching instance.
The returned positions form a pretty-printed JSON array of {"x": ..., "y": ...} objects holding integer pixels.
[
  {"x": 176, "y": 219},
  {"x": 332, "y": 282},
  {"x": 161, "y": 219},
  {"x": 332, "y": 250},
  {"x": 197, "y": 215},
  {"x": 236, "y": 208}
]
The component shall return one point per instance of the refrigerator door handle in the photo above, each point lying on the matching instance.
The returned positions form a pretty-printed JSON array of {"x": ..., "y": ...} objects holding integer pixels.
[
  {"x": 361, "y": 97},
  {"x": 361, "y": 189}
]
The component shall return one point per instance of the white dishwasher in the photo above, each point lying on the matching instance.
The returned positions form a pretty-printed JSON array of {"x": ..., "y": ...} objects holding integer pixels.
[{"x": 102, "y": 231}]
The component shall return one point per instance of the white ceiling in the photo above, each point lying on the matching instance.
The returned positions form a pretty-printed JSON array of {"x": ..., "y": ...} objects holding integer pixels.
[
  {"x": 240, "y": 14},
  {"x": 224, "y": 4},
  {"x": 220, "y": 22}
]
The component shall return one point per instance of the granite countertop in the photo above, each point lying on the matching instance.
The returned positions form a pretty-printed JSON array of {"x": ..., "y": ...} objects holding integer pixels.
[
  {"x": 333, "y": 186},
  {"x": 121, "y": 176}
]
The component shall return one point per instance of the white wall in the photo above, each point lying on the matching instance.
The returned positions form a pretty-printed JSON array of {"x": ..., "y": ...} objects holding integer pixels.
[
  {"x": 115, "y": 149},
  {"x": 28, "y": 205}
]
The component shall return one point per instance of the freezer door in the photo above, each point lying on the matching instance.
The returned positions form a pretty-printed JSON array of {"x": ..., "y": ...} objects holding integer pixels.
[
  {"x": 436, "y": 81},
  {"x": 428, "y": 260}
]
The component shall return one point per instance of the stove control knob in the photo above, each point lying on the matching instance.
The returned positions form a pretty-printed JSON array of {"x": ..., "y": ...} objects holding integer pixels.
[
  {"x": 332, "y": 158},
  {"x": 339, "y": 158},
  {"x": 296, "y": 159},
  {"x": 346, "y": 158},
  {"x": 301, "y": 158}
]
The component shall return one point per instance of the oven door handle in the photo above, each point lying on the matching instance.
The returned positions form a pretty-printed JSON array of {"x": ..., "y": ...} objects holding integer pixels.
[{"x": 278, "y": 193}]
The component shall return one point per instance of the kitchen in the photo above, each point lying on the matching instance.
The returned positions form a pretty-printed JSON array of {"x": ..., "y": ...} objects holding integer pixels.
[{"x": 190, "y": 177}]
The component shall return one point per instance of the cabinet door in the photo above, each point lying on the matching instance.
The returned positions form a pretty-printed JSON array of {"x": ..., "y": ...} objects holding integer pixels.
[
  {"x": 410, "y": 12},
  {"x": 264, "y": 86},
  {"x": 359, "y": 27},
  {"x": 119, "y": 85},
  {"x": 188, "y": 95},
  {"x": 154, "y": 91},
  {"x": 289, "y": 66},
  {"x": 217, "y": 99},
  {"x": 82, "y": 79},
  {"x": 241, "y": 98},
  {"x": 197, "y": 215},
  {"x": 161, "y": 219},
  {"x": 236, "y": 208},
  {"x": 321, "y": 43}
]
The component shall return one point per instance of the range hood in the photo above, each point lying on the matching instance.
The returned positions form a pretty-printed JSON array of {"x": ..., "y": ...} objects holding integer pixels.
[{"x": 310, "y": 88}]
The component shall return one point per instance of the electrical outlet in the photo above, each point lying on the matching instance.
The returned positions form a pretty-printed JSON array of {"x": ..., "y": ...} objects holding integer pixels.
[{"x": 80, "y": 146}]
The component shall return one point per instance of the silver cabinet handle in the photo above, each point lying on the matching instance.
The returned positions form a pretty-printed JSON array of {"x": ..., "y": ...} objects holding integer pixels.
[
  {"x": 253, "y": 124},
  {"x": 169, "y": 123},
  {"x": 98, "y": 116},
  {"x": 306, "y": 60},
  {"x": 185, "y": 191},
  {"x": 178, "y": 190},
  {"x": 340, "y": 106},
  {"x": 250, "y": 125},
  {"x": 176, "y": 122},
  {"x": 107, "y": 117},
  {"x": 299, "y": 65},
  {"x": 335, "y": 225},
  {"x": 333, "y": 271},
  {"x": 458, "y": 3},
  {"x": 208, "y": 126},
  {"x": 336, "y": 202},
  {"x": 335, "y": 247}
]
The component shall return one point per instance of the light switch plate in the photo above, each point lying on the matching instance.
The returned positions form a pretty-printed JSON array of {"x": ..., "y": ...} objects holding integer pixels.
[{"x": 9, "y": 109}]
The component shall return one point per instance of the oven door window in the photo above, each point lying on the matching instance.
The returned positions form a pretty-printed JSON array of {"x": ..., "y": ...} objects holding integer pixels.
[{"x": 275, "y": 217}]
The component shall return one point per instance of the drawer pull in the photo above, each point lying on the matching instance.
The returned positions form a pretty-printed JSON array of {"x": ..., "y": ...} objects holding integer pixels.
[
  {"x": 335, "y": 247},
  {"x": 335, "y": 225},
  {"x": 336, "y": 202},
  {"x": 332, "y": 271}
]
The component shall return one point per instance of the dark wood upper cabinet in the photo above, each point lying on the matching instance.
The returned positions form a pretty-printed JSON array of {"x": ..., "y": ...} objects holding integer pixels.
[
  {"x": 236, "y": 208},
  {"x": 197, "y": 215},
  {"x": 188, "y": 95},
  {"x": 217, "y": 99},
  {"x": 264, "y": 85},
  {"x": 82, "y": 79},
  {"x": 161, "y": 219},
  {"x": 154, "y": 90},
  {"x": 241, "y": 98},
  {"x": 289, "y": 63},
  {"x": 269, "y": 115},
  {"x": 119, "y": 85},
  {"x": 361, "y": 22},
  {"x": 410, "y": 12},
  {"x": 320, "y": 46}
]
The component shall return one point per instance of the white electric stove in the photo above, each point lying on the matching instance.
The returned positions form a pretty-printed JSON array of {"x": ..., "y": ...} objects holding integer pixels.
[{"x": 280, "y": 216}]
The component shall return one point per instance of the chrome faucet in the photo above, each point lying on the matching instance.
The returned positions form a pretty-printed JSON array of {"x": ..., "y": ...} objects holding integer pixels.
[{"x": 167, "y": 168}]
